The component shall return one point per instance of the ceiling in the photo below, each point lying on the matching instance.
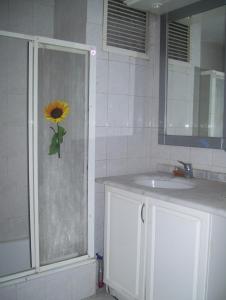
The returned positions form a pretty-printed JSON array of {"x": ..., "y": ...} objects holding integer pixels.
[{"x": 159, "y": 6}]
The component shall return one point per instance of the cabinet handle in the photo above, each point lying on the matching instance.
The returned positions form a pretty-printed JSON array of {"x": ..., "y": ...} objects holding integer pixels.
[{"x": 141, "y": 213}]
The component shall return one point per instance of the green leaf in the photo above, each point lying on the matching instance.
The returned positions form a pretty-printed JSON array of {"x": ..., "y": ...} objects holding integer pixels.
[
  {"x": 54, "y": 146},
  {"x": 61, "y": 133}
]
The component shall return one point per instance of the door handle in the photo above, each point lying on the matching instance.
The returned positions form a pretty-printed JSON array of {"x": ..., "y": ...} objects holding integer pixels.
[{"x": 142, "y": 213}]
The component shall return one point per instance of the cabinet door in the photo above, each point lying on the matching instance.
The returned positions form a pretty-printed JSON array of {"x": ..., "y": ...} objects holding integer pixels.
[
  {"x": 124, "y": 243},
  {"x": 177, "y": 252}
]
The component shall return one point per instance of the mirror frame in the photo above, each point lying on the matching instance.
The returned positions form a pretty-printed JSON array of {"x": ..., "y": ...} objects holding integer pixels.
[{"x": 179, "y": 140}]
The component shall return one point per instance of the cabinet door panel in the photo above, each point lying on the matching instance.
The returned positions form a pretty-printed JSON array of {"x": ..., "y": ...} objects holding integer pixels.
[
  {"x": 176, "y": 266},
  {"x": 124, "y": 244}
]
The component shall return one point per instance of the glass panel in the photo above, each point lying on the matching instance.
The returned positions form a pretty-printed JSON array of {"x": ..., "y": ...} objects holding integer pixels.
[
  {"x": 195, "y": 97},
  {"x": 62, "y": 181},
  {"x": 14, "y": 204}
]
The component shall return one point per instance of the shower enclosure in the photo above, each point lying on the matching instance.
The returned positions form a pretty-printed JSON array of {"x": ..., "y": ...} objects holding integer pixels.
[{"x": 46, "y": 201}]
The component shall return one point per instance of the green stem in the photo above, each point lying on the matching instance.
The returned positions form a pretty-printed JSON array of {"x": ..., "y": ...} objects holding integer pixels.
[{"x": 58, "y": 141}]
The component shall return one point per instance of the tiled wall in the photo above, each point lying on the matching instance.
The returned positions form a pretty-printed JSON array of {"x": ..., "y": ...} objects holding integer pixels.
[
  {"x": 70, "y": 20},
  {"x": 27, "y": 16},
  {"x": 126, "y": 108},
  {"x": 127, "y": 116}
]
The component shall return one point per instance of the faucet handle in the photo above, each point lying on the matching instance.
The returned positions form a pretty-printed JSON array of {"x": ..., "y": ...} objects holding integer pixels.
[
  {"x": 183, "y": 163},
  {"x": 187, "y": 168},
  {"x": 186, "y": 165}
]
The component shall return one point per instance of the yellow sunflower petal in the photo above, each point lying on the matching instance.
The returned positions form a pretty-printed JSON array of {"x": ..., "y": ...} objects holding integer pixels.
[{"x": 56, "y": 111}]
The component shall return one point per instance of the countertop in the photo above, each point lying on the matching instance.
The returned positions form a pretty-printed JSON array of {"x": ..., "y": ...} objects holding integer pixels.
[{"x": 206, "y": 195}]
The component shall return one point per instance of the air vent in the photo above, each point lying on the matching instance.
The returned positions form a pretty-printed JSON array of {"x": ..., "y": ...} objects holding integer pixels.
[
  {"x": 179, "y": 41},
  {"x": 126, "y": 28}
]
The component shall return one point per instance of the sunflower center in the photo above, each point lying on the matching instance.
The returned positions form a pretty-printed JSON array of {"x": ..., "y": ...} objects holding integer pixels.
[{"x": 56, "y": 113}]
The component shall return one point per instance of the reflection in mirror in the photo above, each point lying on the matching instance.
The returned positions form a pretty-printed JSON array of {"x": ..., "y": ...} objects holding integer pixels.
[{"x": 195, "y": 100}]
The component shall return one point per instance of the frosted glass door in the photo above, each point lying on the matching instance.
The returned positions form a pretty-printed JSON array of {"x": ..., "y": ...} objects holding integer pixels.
[
  {"x": 14, "y": 192},
  {"x": 62, "y": 182}
]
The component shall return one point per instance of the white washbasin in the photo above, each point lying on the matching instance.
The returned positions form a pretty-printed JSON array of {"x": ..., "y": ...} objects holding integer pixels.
[{"x": 170, "y": 183}]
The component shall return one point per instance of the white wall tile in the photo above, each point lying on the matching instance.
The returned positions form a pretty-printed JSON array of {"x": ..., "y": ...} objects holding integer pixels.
[
  {"x": 122, "y": 115},
  {"x": 132, "y": 79},
  {"x": 21, "y": 16},
  {"x": 94, "y": 36},
  {"x": 101, "y": 109},
  {"x": 101, "y": 168},
  {"x": 116, "y": 147},
  {"x": 219, "y": 158},
  {"x": 160, "y": 153},
  {"x": 179, "y": 153},
  {"x": 99, "y": 188},
  {"x": 119, "y": 78},
  {"x": 102, "y": 76},
  {"x": 118, "y": 110},
  {"x": 136, "y": 111},
  {"x": 141, "y": 61},
  {"x": 143, "y": 85},
  {"x": 95, "y": 11},
  {"x": 201, "y": 158},
  {"x": 116, "y": 167},
  {"x": 137, "y": 143},
  {"x": 152, "y": 113},
  {"x": 43, "y": 20},
  {"x": 119, "y": 57},
  {"x": 137, "y": 165}
]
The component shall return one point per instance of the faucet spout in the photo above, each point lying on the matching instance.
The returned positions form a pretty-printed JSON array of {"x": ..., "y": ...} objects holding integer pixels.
[{"x": 188, "y": 170}]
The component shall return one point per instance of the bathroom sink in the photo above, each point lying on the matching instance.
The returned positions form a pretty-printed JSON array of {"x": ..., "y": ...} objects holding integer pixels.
[{"x": 169, "y": 183}]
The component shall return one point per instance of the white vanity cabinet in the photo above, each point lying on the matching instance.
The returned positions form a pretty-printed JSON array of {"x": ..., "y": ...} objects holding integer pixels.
[
  {"x": 177, "y": 252},
  {"x": 157, "y": 250},
  {"x": 124, "y": 243}
]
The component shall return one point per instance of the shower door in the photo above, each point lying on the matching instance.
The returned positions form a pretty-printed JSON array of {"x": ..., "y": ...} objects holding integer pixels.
[
  {"x": 47, "y": 154},
  {"x": 62, "y": 175}
]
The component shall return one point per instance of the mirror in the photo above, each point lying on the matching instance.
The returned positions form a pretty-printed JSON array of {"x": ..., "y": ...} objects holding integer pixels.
[{"x": 194, "y": 80}]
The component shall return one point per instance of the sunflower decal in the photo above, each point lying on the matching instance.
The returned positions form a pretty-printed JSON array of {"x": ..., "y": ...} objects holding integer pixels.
[{"x": 56, "y": 112}]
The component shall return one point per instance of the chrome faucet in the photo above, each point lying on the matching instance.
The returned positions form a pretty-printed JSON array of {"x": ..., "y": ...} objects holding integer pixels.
[{"x": 188, "y": 170}]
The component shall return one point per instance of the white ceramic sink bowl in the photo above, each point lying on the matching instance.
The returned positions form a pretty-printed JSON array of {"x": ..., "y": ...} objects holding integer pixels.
[{"x": 170, "y": 183}]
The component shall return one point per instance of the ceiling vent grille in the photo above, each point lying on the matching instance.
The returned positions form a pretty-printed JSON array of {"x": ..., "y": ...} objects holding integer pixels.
[
  {"x": 126, "y": 27},
  {"x": 179, "y": 41}
]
